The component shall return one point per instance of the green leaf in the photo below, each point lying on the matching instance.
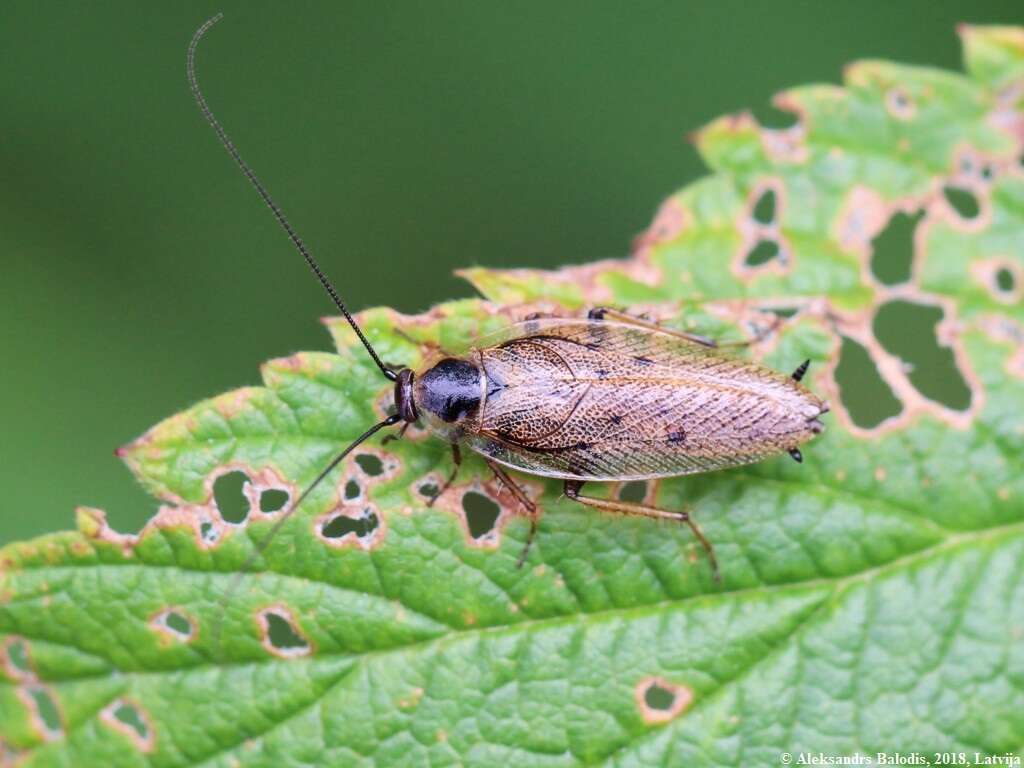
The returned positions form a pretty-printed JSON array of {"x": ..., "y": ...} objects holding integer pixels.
[{"x": 872, "y": 597}]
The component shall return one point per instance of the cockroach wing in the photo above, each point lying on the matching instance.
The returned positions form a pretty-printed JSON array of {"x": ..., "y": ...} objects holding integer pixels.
[{"x": 596, "y": 400}]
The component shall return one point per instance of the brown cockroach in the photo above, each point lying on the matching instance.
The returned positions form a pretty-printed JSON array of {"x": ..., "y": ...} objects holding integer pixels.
[{"x": 607, "y": 398}]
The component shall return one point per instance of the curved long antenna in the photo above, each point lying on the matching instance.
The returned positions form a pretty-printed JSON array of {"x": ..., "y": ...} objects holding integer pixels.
[
  {"x": 265, "y": 541},
  {"x": 190, "y": 67}
]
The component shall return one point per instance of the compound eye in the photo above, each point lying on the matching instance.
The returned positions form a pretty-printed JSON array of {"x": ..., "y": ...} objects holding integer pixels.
[{"x": 405, "y": 401}]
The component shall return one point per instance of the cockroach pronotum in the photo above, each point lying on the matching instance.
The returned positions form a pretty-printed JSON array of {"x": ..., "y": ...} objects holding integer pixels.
[{"x": 610, "y": 397}]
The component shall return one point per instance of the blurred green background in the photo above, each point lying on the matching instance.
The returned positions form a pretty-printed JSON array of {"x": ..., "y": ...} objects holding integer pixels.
[{"x": 140, "y": 273}]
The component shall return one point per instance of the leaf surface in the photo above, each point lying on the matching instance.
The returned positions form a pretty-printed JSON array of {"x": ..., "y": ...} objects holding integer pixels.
[{"x": 872, "y": 598}]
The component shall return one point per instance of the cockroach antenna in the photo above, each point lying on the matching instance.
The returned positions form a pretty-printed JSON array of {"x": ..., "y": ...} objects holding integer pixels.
[
  {"x": 265, "y": 195},
  {"x": 501, "y": 397},
  {"x": 261, "y": 547}
]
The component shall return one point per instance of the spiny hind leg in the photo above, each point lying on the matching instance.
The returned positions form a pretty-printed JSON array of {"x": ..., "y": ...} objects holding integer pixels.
[
  {"x": 602, "y": 313},
  {"x": 572, "y": 491},
  {"x": 506, "y": 480},
  {"x": 456, "y": 463}
]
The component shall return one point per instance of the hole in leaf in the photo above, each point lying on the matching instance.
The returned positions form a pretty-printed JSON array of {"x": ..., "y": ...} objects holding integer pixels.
[
  {"x": 661, "y": 701},
  {"x": 893, "y": 249},
  {"x": 865, "y": 394},
  {"x": 128, "y": 715},
  {"x": 771, "y": 116},
  {"x": 908, "y": 330},
  {"x": 131, "y": 721},
  {"x": 762, "y": 253},
  {"x": 273, "y": 500},
  {"x": 1004, "y": 280},
  {"x": 178, "y": 624},
  {"x": 342, "y": 525},
  {"x": 987, "y": 172},
  {"x": 370, "y": 464},
  {"x": 352, "y": 490},
  {"x": 229, "y": 496},
  {"x": 429, "y": 490},
  {"x": 46, "y": 709},
  {"x": 481, "y": 513},
  {"x": 281, "y": 634},
  {"x": 17, "y": 654},
  {"x": 764, "y": 208},
  {"x": 208, "y": 532},
  {"x": 634, "y": 491},
  {"x": 174, "y": 623},
  {"x": 963, "y": 201},
  {"x": 658, "y": 697}
]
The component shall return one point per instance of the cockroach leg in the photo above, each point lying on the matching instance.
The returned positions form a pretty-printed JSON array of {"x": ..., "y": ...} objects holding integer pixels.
[
  {"x": 392, "y": 436},
  {"x": 456, "y": 462},
  {"x": 530, "y": 536},
  {"x": 602, "y": 313},
  {"x": 511, "y": 485},
  {"x": 572, "y": 491},
  {"x": 522, "y": 498}
]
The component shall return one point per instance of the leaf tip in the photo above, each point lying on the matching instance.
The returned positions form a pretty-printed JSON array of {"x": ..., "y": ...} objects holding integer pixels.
[{"x": 90, "y": 522}]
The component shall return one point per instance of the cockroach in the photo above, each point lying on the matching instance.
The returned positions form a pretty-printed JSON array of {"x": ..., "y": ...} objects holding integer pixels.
[{"x": 609, "y": 397}]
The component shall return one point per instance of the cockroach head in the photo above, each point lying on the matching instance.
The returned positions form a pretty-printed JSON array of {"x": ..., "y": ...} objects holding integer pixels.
[{"x": 404, "y": 400}]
